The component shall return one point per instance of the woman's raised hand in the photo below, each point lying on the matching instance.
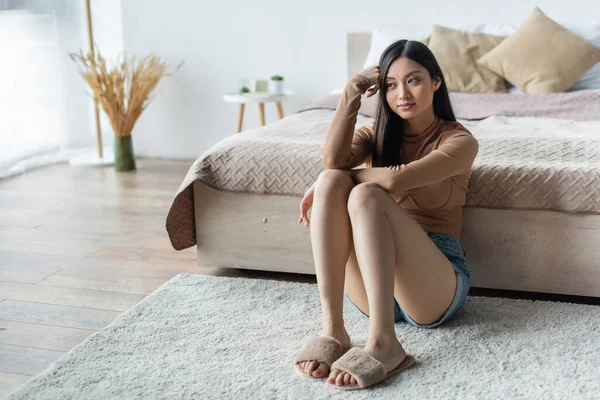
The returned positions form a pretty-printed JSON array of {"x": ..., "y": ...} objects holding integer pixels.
[
  {"x": 372, "y": 74},
  {"x": 306, "y": 204}
]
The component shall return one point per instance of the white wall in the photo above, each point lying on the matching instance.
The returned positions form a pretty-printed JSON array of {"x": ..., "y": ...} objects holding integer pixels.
[{"x": 223, "y": 42}]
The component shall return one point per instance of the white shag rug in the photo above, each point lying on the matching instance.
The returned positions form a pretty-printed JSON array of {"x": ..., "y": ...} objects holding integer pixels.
[{"x": 210, "y": 337}]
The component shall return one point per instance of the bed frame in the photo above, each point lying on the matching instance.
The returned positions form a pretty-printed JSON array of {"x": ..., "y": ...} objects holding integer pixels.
[{"x": 523, "y": 250}]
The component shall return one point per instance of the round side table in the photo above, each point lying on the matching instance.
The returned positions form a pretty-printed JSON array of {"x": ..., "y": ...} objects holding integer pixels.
[{"x": 257, "y": 97}]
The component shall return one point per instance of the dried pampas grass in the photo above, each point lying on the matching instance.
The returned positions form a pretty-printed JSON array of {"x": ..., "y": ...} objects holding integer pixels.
[{"x": 123, "y": 91}]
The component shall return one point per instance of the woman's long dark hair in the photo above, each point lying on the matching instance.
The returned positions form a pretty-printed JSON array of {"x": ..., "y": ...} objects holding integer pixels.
[{"x": 389, "y": 126}]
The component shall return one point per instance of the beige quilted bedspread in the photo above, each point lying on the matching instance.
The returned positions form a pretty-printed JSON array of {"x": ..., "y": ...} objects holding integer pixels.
[{"x": 523, "y": 163}]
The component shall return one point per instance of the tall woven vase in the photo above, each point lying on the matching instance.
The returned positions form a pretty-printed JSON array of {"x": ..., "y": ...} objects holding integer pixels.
[{"x": 124, "y": 157}]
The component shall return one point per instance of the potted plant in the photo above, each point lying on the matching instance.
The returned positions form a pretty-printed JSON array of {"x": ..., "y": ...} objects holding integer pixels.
[
  {"x": 277, "y": 84},
  {"x": 124, "y": 92}
]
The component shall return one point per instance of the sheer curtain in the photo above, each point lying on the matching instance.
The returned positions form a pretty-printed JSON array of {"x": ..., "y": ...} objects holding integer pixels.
[{"x": 46, "y": 112}]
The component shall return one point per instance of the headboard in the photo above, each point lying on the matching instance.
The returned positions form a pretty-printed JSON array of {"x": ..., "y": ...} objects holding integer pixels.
[{"x": 358, "y": 47}]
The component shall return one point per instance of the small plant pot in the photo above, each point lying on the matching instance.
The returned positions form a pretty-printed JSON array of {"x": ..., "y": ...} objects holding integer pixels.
[
  {"x": 276, "y": 86},
  {"x": 259, "y": 85},
  {"x": 124, "y": 157}
]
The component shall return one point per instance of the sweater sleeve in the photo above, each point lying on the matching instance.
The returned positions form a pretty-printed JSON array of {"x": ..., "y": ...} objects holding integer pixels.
[
  {"x": 455, "y": 155},
  {"x": 345, "y": 147}
]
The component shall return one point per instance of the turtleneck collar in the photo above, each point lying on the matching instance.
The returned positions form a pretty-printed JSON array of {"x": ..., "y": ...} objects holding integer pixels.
[{"x": 433, "y": 127}]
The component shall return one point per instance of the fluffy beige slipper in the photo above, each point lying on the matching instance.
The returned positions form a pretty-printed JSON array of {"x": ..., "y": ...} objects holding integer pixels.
[
  {"x": 365, "y": 368},
  {"x": 323, "y": 349}
]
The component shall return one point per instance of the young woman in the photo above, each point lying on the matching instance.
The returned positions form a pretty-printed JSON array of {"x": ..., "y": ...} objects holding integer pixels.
[{"x": 388, "y": 235}]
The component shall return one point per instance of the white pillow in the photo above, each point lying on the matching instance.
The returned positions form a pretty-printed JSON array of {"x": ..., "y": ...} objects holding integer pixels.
[
  {"x": 496, "y": 29},
  {"x": 381, "y": 39}
]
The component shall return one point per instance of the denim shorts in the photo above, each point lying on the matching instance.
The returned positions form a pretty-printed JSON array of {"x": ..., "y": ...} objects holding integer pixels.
[{"x": 457, "y": 256}]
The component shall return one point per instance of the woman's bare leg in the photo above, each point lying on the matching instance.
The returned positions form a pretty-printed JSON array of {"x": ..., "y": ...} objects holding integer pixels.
[
  {"x": 330, "y": 235},
  {"x": 398, "y": 260},
  {"x": 376, "y": 254}
]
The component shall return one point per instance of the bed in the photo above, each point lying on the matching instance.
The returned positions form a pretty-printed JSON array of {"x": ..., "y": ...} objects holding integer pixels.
[{"x": 532, "y": 217}]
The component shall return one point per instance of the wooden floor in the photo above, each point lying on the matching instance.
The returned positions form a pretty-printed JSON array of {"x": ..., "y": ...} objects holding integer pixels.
[{"x": 78, "y": 247}]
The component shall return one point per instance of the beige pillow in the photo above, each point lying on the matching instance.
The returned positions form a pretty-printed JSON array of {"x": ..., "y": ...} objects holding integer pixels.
[
  {"x": 542, "y": 56},
  {"x": 457, "y": 53}
]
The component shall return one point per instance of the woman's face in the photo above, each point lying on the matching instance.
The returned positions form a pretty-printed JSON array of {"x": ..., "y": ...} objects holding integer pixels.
[{"x": 409, "y": 87}]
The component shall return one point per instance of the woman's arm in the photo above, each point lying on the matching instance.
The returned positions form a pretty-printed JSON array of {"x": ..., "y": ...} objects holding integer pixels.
[
  {"x": 344, "y": 147},
  {"x": 455, "y": 155}
]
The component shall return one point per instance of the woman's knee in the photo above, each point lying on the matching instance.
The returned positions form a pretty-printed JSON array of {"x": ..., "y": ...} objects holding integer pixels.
[
  {"x": 363, "y": 195},
  {"x": 334, "y": 181}
]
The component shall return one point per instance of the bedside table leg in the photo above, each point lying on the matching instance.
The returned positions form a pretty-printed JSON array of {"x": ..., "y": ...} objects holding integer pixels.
[
  {"x": 280, "y": 110},
  {"x": 261, "y": 108},
  {"x": 240, "y": 117}
]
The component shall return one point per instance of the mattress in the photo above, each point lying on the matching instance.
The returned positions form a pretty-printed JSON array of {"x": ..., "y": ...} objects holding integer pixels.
[{"x": 525, "y": 161}]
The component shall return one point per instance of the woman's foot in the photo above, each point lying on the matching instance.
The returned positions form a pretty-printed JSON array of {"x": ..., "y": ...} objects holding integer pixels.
[
  {"x": 321, "y": 370},
  {"x": 388, "y": 351}
]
